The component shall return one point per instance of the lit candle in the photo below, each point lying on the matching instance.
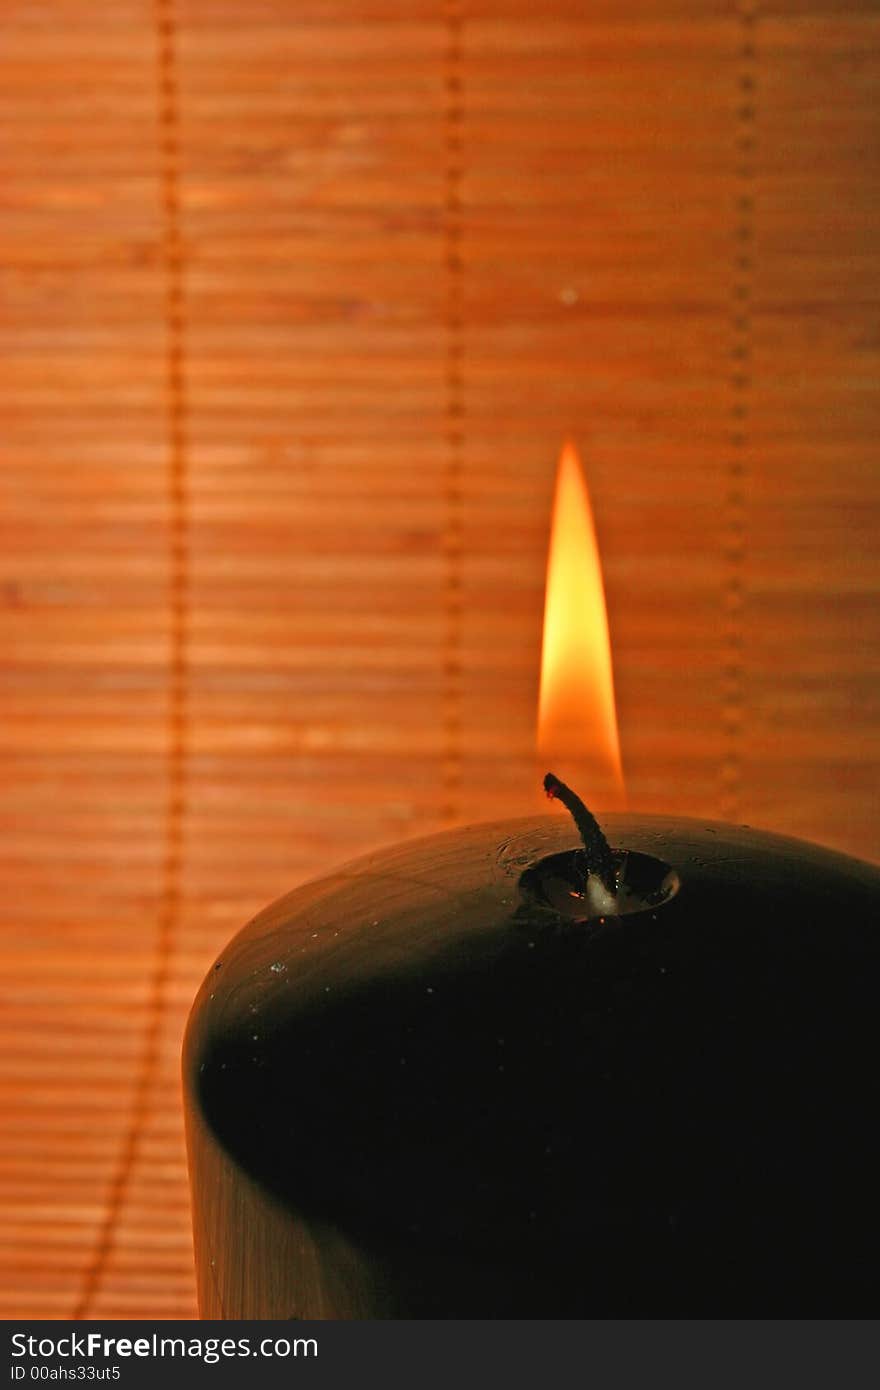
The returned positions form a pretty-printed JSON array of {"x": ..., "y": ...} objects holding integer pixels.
[{"x": 547, "y": 1067}]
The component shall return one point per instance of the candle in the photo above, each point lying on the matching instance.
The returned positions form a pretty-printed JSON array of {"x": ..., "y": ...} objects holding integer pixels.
[
  {"x": 543, "y": 1068},
  {"x": 446, "y": 1081}
]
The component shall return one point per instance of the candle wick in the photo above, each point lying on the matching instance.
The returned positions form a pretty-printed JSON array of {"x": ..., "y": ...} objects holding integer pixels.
[{"x": 600, "y": 860}]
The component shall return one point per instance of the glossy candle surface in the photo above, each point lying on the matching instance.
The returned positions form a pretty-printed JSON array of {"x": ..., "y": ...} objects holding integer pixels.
[{"x": 413, "y": 1089}]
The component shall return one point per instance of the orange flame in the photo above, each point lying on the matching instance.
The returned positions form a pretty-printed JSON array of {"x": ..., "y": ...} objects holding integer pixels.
[{"x": 577, "y": 723}]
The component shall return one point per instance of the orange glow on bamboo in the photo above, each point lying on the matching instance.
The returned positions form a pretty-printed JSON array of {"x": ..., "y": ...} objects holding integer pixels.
[{"x": 577, "y": 720}]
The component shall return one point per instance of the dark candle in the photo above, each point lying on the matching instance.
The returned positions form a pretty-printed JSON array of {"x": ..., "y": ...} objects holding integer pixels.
[{"x": 445, "y": 1082}]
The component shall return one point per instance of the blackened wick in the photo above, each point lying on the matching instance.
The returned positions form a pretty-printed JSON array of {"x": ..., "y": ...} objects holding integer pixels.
[{"x": 600, "y": 860}]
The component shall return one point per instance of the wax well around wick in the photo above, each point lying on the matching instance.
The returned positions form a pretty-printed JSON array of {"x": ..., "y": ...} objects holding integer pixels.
[{"x": 560, "y": 882}]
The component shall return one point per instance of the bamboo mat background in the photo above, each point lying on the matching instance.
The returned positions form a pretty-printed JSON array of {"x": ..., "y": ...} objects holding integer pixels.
[{"x": 300, "y": 303}]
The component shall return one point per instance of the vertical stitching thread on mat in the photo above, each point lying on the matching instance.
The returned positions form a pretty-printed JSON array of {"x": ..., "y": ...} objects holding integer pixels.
[
  {"x": 178, "y": 563},
  {"x": 735, "y": 505},
  {"x": 452, "y": 544}
]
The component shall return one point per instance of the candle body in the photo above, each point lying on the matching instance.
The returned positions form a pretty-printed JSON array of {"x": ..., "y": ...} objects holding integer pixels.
[{"x": 413, "y": 1092}]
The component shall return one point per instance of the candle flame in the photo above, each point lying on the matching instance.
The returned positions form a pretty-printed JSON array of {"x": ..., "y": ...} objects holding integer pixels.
[{"x": 577, "y": 722}]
